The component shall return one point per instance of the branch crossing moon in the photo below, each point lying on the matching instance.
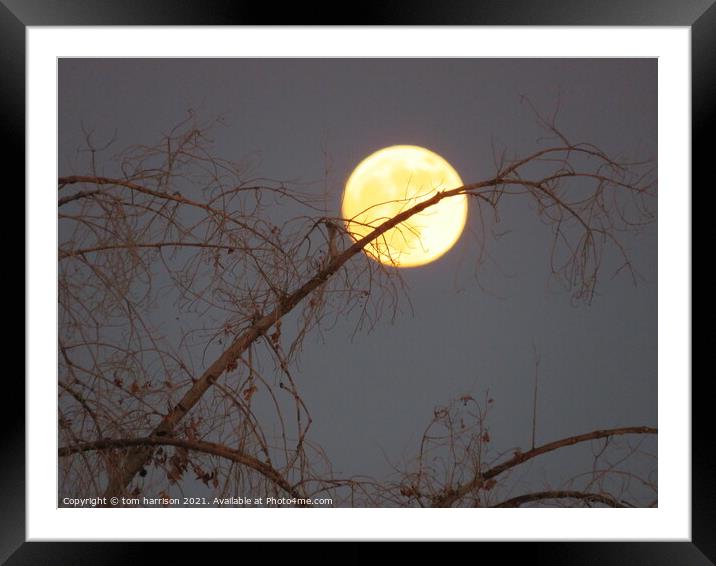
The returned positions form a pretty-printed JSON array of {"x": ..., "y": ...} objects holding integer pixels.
[{"x": 394, "y": 179}]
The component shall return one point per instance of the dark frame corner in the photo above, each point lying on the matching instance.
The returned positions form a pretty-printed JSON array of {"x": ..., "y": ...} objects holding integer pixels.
[{"x": 16, "y": 15}]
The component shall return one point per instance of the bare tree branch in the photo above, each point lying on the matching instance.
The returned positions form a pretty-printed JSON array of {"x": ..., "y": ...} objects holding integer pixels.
[
  {"x": 220, "y": 450},
  {"x": 448, "y": 499},
  {"x": 561, "y": 494}
]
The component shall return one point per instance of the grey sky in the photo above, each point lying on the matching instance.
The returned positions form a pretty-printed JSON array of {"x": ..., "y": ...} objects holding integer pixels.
[{"x": 298, "y": 120}]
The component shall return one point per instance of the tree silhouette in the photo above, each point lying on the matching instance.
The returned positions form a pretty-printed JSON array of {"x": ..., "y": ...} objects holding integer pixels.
[{"x": 146, "y": 406}]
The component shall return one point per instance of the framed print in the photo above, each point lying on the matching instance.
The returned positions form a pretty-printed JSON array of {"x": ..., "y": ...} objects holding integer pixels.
[{"x": 408, "y": 277}]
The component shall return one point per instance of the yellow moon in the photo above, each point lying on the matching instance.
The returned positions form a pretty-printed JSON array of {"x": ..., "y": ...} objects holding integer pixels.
[{"x": 394, "y": 179}]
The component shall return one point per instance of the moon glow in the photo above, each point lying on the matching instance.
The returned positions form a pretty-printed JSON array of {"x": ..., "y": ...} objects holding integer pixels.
[{"x": 392, "y": 180}]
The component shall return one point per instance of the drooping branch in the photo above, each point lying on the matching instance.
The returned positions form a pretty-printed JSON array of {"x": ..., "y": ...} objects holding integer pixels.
[
  {"x": 453, "y": 495},
  {"x": 212, "y": 448},
  {"x": 520, "y": 500}
]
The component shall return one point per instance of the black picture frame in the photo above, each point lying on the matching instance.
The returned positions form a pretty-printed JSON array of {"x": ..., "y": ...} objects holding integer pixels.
[{"x": 16, "y": 15}]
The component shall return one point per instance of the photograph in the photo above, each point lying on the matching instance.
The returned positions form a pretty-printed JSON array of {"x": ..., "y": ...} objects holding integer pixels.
[{"x": 357, "y": 282}]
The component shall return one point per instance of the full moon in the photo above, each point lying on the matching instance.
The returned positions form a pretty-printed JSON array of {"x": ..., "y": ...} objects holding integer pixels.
[{"x": 392, "y": 180}]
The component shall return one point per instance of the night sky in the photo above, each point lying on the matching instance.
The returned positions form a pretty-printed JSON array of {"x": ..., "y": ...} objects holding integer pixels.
[{"x": 472, "y": 328}]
